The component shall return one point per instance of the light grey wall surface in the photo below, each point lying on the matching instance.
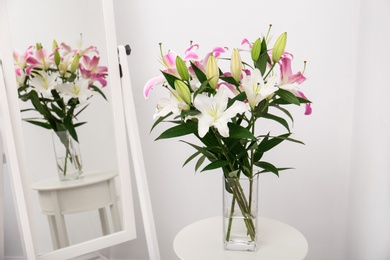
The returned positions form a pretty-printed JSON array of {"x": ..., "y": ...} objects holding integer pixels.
[{"x": 314, "y": 197}]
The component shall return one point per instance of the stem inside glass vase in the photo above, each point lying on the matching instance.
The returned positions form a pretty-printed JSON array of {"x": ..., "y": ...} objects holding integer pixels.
[
  {"x": 68, "y": 156},
  {"x": 240, "y": 214}
]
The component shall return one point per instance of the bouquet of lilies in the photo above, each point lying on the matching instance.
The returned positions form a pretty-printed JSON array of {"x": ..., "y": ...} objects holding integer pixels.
[
  {"x": 222, "y": 108},
  {"x": 59, "y": 82}
]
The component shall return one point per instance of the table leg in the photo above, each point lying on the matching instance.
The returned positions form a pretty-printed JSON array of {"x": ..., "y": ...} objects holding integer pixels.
[
  {"x": 104, "y": 221},
  {"x": 114, "y": 208},
  {"x": 59, "y": 223},
  {"x": 53, "y": 232}
]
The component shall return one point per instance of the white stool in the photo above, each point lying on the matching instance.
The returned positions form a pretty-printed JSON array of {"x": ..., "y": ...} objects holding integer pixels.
[
  {"x": 94, "y": 191},
  {"x": 203, "y": 240}
]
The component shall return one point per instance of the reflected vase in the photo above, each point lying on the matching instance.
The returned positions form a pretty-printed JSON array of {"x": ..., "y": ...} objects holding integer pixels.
[
  {"x": 240, "y": 204},
  {"x": 67, "y": 156}
]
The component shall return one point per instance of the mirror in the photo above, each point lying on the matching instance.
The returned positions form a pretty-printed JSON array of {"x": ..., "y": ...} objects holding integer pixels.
[{"x": 68, "y": 219}]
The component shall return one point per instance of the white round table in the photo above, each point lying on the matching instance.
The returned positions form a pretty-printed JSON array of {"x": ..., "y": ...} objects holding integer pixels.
[
  {"x": 203, "y": 240},
  {"x": 94, "y": 191}
]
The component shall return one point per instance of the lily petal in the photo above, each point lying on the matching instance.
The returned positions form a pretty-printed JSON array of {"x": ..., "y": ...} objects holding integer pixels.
[{"x": 151, "y": 83}]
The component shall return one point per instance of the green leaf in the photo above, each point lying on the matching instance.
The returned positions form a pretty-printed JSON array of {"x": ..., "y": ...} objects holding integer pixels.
[
  {"x": 57, "y": 110},
  {"x": 199, "y": 162},
  {"x": 199, "y": 74},
  {"x": 283, "y": 110},
  {"x": 179, "y": 130},
  {"x": 267, "y": 167},
  {"x": 81, "y": 110},
  {"x": 215, "y": 165},
  {"x": 209, "y": 140},
  {"x": 71, "y": 129},
  {"x": 159, "y": 120},
  {"x": 288, "y": 96},
  {"x": 79, "y": 124},
  {"x": 38, "y": 123},
  {"x": 203, "y": 87},
  {"x": 170, "y": 78},
  {"x": 191, "y": 158},
  {"x": 268, "y": 144},
  {"x": 237, "y": 131},
  {"x": 206, "y": 151},
  {"x": 278, "y": 119},
  {"x": 239, "y": 97},
  {"x": 98, "y": 90},
  {"x": 279, "y": 169},
  {"x": 37, "y": 104},
  {"x": 230, "y": 80},
  {"x": 28, "y": 109},
  {"x": 262, "y": 62}
]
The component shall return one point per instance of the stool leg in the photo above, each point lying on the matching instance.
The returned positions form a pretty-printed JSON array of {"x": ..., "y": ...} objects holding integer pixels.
[
  {"x": 53, "y": 232},
  {"x": 116, "y": 221},
  {"x": 59, "y": 222},
  {"x": 104, "y": 221}
]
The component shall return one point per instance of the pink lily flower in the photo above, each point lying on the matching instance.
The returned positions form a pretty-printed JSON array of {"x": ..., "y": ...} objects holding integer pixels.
[
  {"x": 286, "y": 73},
  {"x": 169, "y": 62},
  {"x": 217, "y": 51},
  {"x": 308, "y": 109},
  {"x": 89, "y": 69},
  {"x": 40, "y": 59},
  {"x": 290, "y": 81}
]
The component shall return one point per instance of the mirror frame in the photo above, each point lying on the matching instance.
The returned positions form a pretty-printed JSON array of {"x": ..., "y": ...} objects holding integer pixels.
[{"x": 16, "y": 157}]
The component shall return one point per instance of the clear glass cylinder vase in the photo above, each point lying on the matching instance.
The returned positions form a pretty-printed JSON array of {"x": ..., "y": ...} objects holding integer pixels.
[
  {"x": 240, "y": 205},
  {"x": 67, "y": 155}
]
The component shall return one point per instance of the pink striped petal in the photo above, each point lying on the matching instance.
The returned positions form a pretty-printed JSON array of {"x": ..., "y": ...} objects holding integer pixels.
[
  {"x": 218, "y": 50},
  {"x": 308, "y": 109},
  {"x": 191, "y": 56},
  {"x": 246, "y": 41},
  {"x": 191, "y": 47},
  {"x": 170, "y": 59},
  {"x": 151, "y": 83}
]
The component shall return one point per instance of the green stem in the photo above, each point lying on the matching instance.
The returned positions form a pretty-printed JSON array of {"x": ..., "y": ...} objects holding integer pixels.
[{"x": 230, "y": 219}]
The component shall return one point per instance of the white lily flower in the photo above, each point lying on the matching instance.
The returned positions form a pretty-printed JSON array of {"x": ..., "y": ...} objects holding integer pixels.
[
  {"x": 214, "y": 112},
  {"x": 255, "y": 88},
  {"x": 78, "y": 89},
  {"x": 173, "y": 104},
  {"x": 44, "y": 83}
]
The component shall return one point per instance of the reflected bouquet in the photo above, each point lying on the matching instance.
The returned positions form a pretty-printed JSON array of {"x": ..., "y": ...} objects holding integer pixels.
[
  {"x": 58, "y": 83},
  {"x": 223, "y": 109}
]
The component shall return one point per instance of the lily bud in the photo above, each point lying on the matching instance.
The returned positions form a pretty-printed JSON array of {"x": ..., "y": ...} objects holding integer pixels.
[
  {"x": 236, "y": 65},
  {"x": 212, "y": 71},
  {"x": 54, "y": 45},
  {"x": 279, "y": 47},
  {"x": 182, "y": 69},
  {"x": 183, "y": 91},
  {"x": 57, "y": 58},
  {"x": 75, "y": 63},
  {"x": 256, "y": 48}
]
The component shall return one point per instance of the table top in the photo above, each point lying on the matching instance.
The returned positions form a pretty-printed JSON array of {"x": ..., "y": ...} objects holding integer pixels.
[
  {"x": 87, "y": 179},
  {"x": 203, "y": 240}
]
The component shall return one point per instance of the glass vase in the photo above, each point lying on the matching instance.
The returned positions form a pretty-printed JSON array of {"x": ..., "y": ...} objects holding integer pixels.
[
  {"x": 67, "y": 155},
  {"x": 240, "y": 201}
]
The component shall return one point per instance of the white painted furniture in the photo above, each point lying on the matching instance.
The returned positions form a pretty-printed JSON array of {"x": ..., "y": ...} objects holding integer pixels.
[
  {"x": 94, "y": 191},
  {"x": 203, "y": 240}
]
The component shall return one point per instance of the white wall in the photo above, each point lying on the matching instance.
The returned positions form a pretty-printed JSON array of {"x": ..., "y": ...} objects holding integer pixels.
[
  {"x": 369, "y": 204},
  {"x": 313, "y": 198}
]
